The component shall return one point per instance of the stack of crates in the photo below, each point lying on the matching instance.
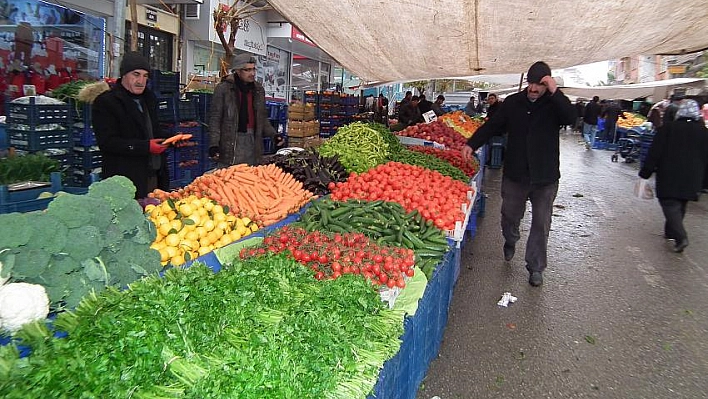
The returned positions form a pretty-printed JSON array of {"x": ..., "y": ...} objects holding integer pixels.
[
  {"x": 350, "y": 106},
  {"x": 40, "y": 128},
  {"x": 330, "y": 113},
  {"x": 87, "y": 156},
  {"x": 186, "y": 162},
  {"x": 497, "y": 148},
  {"x": 278, "y": 117},
  {"x": 164, "y": 83},
  {"x": 202, "y": 102}
]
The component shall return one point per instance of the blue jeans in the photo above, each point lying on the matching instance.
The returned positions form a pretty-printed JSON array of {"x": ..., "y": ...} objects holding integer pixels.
[
  {"x": 589, "y": 131},
  {"x": 514, "y": 197}
]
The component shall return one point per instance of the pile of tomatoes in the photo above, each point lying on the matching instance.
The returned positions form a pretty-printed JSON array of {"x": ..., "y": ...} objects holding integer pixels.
[
  {"x": 437, "y": 197},
  {"x": 332, "y": 255}
]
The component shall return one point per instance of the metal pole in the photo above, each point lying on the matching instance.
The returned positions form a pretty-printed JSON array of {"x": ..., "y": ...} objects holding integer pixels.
[{"x": 118, "y": 35}]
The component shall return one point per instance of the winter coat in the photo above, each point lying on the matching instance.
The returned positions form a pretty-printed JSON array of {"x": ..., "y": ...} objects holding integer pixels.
[
  {"x": 679, "y": 155},
  {"x": 592, "y": 112},
  {"x": 409, "y": 114},
  {"x": 533, "y": 128},
  {"x": 122, "y": 137},
  {"x": 224, "y": 115}
]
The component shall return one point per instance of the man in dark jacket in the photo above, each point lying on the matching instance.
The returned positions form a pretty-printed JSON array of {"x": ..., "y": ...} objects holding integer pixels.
[
  {"x": 532, "y": 119},
  {"x": 493, "y": 105},
  {"x": 424, "y": 105},
  {"x": 127, "y": 130},
  {"x": 592, "y": 112},
  {"x": 409, "y": 114},
  {"x": 238, "y": 119},
  {"x": 611, "y": 114},
  {"x": 438, "y": 104},
  {"x": 679, "y": 155}
]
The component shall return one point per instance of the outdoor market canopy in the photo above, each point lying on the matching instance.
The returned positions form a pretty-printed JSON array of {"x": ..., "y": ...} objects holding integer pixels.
[
  {"x": 399, "y": 40},
  {"x": 657, "y": 89}
]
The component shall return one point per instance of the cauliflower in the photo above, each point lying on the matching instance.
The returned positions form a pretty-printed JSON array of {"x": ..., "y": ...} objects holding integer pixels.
[{"x": 22, "y": 303}]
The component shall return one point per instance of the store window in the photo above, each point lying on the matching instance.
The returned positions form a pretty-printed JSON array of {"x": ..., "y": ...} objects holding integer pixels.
[
  {"x": 46, "y": 45},
  {"x": 309, "y": 75},
  {"x": 153, "y": 44}
]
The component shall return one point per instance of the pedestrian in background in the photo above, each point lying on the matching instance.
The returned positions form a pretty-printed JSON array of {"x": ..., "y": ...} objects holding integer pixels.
[
  {"x": 424, "y": 105},
  {"x": 437, "y": 105},
  {"x": 409, "y": 114},
  {"x": 592, "y": 112},
  {"x": 493, "y": 105},
  {"x": 238, "y": 118},
  {"x": 127, "y": 131},
  {"x": 611, "y": 114},
  {"x": 678, "y": 155},
  {"x": 471, "y": 109},
  {"x": 532, "y": 118}
]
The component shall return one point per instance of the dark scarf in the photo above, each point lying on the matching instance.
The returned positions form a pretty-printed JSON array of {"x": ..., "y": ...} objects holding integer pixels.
[
  {"x": 155, "y": 161},
  {"x": 243, "y": 88}
]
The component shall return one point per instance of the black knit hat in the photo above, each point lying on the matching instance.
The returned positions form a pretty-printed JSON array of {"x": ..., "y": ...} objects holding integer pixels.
[
  {"x": 537, "y": 71},
  {"x": 133, "y": 60}
]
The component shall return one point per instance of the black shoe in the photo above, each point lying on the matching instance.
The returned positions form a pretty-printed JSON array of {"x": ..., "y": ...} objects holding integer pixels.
[
  {"x": 535, "y": 278},
  {"x": 509, "y": 251},
  {"x": 681, "y": 245}
]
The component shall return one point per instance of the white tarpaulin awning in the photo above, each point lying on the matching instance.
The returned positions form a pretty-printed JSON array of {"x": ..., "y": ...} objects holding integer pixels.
[
  {"x": 394, "y": 40},
  {"x": 658, "y": 90}
]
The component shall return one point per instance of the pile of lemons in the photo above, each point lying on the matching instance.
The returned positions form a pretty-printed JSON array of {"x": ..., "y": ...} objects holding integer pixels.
[{"x": 191, "y": 227}]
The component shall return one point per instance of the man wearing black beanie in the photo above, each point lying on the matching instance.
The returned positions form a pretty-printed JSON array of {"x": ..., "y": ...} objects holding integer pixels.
[
  {"x": 532, "y": 119},
  {"x": 127, "y": 131}
]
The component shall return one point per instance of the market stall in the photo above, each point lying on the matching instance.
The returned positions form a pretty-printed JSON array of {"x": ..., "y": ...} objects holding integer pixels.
[{"x": 368, "y": 225}]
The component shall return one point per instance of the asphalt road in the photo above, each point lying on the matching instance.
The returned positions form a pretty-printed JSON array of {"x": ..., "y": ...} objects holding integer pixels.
[{"x": 618, "y": 315}]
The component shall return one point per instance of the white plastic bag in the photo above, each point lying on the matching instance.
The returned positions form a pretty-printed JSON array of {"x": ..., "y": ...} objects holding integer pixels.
[{"x": 643, "y": 190}]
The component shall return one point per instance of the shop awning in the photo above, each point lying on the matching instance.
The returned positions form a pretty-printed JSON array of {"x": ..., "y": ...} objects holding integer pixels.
[
  {"x": 658, "y": 90},
  {"x": 393, "y": 40}
]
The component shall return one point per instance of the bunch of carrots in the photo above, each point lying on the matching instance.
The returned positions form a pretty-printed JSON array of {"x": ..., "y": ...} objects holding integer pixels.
[{"x": 263, "y": 193}]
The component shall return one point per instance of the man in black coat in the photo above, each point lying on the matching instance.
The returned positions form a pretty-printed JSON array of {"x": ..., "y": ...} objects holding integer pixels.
[
  {"x": 409, "y": 114},
  {"x": 592, "y": 112},
  {"x": 532, "y": 119},
  {"x": 127, "y": 131},
  {"x": 679, "y": 155}
]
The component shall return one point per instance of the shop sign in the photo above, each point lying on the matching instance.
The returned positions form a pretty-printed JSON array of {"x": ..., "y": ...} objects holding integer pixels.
[
  {"x": 676, "y": 69},
  {"x": 150, "y": 15},
  {"x": 299, "y": 36}
]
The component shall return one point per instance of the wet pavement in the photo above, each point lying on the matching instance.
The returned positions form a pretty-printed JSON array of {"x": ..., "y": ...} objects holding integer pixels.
[{"x": 618, "y": 315}]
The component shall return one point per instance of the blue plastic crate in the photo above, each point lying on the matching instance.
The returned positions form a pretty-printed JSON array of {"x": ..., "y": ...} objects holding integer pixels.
[
  {"x": 88, "y": 157},
  {"x": 34, "y": 114},
  {"x": 496, "y": 160},
  {"x": 187, "y": 110},
  {"x": 4, "y": 140},
  {"x": 185, "y": 154},
  {"x": 203, "y": 104},
  {"x": 164, "y": 83},
  {"x": 182, "y": 176},
  {"x": 27, "y": 201},
  {"x": 37, "y": 140},
  {"x": 80, "y": 113},
  {"x": 166, "y": 111},
  {"x": 84, "y": 136}
]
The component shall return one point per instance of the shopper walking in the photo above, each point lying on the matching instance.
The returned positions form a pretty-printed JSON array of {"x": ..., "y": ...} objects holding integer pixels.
[
  {"x": 592, "y": 112},
  {"x": 679, "y": 155},
  {"x": 127, "y": 130},
  {"x": 532, "y": 118},
  {"x": 612, "y": 113},
  {"x": 238, "y": 119}
]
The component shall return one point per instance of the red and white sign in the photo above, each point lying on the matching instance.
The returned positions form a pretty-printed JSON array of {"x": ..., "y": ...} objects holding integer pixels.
[{"x": 299, "y": 36}]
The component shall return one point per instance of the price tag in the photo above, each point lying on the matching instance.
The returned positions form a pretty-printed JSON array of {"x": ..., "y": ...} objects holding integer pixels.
[{"x": 430, "y": 116}]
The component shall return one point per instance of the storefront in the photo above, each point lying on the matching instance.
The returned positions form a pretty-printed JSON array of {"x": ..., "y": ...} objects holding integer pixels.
[{"x": 45, "y": 45}]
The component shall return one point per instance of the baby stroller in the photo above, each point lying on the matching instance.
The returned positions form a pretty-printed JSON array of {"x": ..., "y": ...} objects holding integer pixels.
[{"x": 628, "y": 147}]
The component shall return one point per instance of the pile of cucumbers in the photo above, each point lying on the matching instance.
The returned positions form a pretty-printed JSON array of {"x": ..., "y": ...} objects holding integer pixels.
[{"x": 387, "y": 223}]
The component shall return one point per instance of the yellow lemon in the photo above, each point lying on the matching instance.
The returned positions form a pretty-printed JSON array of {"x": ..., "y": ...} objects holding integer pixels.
[
  {"x": 176, "y": 224},
  {"x": 164, "y": 229},
  {"x": 208, "y": 205},
  {"x": 235, "y": 235},
  {"x": 218, "y": 209},
  {"x": 164, "y": 255},
  {"x": 172, "y": 240},
  {"x": 246, "y": 221},
  {"x": 171, "y": 251},
  {"x": 209, "y": 225},
  {"x": 171, "y": 215},
  {"x": 192, "y": 236},
  {"x": 161, "y": 220},
  {"x": 204, "y": 242},
  {"x": 177, "y": 260},
  {"x": 212, "y": 237},
  {"x": 201, "y": 231},
  {"x": 223, "y": 226},
  {"x": 219, "y": 217},
  {"x": 225, "y": 240},
  {"x": 203, "y": 251},
  {"x": 254, "y": 227},
  {"x": 194, "y": 217},
  {"x": 165, "y": 207},
  {"x": 186, "y": 209}
]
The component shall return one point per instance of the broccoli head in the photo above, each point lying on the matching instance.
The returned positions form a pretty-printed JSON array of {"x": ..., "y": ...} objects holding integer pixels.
[
  {"x": 14, "y": 230},
  {"x": 119, "y": 191}
]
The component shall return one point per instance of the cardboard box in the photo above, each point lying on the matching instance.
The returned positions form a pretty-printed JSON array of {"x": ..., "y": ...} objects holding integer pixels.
[
  {"x": 304, "y": 142},
  {"x": 196, "y": 82}
]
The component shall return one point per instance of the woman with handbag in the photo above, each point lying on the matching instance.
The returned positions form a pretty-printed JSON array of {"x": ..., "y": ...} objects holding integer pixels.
[{"x": 678, "y": 155}]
